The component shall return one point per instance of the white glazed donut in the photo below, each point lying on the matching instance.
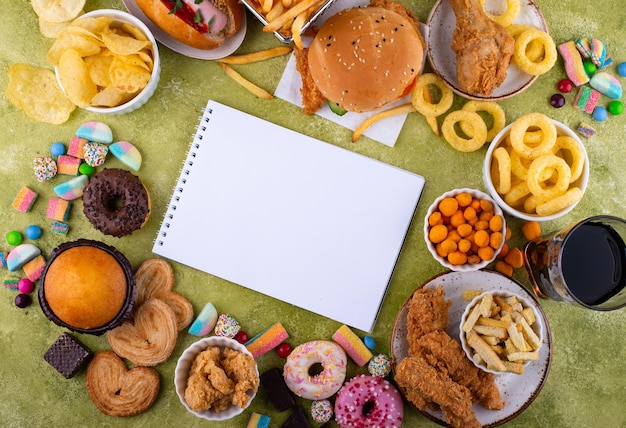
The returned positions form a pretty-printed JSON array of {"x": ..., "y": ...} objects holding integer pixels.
[
  {"x": 297, "y": 374},
  {"x": 368, "y": 401}
]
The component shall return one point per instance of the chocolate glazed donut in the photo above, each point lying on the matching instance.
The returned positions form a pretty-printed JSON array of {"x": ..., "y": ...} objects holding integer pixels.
[{"x": 116, "y": 202}]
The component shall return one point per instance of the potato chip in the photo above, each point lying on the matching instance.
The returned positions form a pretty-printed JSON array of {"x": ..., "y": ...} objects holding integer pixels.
[
  {"x": 85, "y": 46},
  {"x": 58, "y": 10},
  {"x": 134, "y": 32},
  {"x": 110, "y": 97},
  {"x": 127, "y": 77},
  {"x": 97, "y": 25},
  {"x": 34, "y": 90},
  {"x": 123, "y": 45},
  {"x": 51, "y": 29},
  {"x": 98, "y": 66},
  {"x": 74, "y": 78}
]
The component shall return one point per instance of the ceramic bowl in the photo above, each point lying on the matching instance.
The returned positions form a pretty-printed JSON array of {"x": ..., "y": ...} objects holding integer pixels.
[
  {"x": 119, "y": 17},
  {"x": 467, "y": 267},
  {"x": 518, "y": 212},
  {"x": 537, "y": 326},
  {"x": 183, "y": 366}
]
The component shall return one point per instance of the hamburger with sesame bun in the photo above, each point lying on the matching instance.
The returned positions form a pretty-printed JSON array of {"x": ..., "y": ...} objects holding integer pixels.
[{"x": 363, "y": 58}]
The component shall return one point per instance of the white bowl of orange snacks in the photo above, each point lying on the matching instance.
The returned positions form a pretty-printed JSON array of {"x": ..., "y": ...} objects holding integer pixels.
[
  {"x": 216, "y": 378},
  {"x": 106, "y": 61},
  {"x": 536, "y": 168},
  {"x": 464, "y": 229},
  {"x": 501, "y": 332}
]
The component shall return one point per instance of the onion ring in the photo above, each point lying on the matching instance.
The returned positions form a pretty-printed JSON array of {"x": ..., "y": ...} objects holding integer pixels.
[
  {"x": 479, "y": 130},
  {"x": 524, "y": 62},
  {"x": 535, "y": 49},
  {"x": 427, "y": 108},
  {"x": 504, "y": 170},
  {"x": 566, "y": 143},
  {"x": 535, "y": 175},
  {"x": 512, "y": 10},
  {"x": 494, "y": 109},
  {"x": 555, "y": 205},
  {"x": 518, "y": 131}
]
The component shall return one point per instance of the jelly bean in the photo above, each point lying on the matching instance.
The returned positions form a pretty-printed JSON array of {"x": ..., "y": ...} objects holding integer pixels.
[
  {"x": 621, "y": 69},
  {"x": 57, "y": 149},
  {"x": 33, "y": 232},
  {"x": 25, "y": 286},
  {"x": 616, "y": 108},
  {"x": 369, "y": 342},
  {"x": 85, "y": 169},
  {"x": 565, "y": 86},
  {"x": 23, "y": 300},
  {"x": 14, "y": 238},
  {"x": 590, "y": 68},
  {"x": 557, "y": 100},
  {"x": 600, "y": 114}
]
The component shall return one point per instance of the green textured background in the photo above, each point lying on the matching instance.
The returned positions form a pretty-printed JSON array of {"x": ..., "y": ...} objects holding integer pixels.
[{"x": 586, "y": 385}]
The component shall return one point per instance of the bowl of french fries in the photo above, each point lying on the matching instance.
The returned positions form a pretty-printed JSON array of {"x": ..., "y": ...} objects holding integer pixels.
[
  {"x": 501, "y": 332},
  {"x": 106, "y": 61}
]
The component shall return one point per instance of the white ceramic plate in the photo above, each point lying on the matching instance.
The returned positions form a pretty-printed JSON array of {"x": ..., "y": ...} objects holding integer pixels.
[
  {"x": 442, "y": 22},
  {"x": 518, "y": 391},
  {"x": 231, "y": 44}
]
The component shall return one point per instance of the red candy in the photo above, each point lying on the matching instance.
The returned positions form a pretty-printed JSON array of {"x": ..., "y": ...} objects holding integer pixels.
[
  {"x": 241, "y": 337},
  {"x": 565, "y": 86},
  {"x": 283, "y": 350}
]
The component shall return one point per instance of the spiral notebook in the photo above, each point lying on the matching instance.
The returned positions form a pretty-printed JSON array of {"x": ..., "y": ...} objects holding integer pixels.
[{"x": 289, "y": 216}]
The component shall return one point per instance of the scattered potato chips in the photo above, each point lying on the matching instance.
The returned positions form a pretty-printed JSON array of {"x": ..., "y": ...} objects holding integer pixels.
[
  {"x": 34, "y": 90},
  {"x": 58, "y": 10}
]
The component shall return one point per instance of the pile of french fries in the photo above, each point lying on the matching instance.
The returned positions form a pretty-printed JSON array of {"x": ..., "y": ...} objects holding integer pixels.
[
  {"x": 500, "y": 332},
  {"x": 287, "y": 17}
]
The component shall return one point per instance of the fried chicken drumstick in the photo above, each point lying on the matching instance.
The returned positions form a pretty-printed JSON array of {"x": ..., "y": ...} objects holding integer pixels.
[{"x": 483, "y": 49}]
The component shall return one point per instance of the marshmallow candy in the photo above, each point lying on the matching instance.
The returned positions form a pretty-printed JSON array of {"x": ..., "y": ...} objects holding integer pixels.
[
  {"x": 573, "y": 63},
  {"x": 606, "y": 84},
  {"x": 72, "y": 189},
  {"x": 127, "y": 154},
  {"x": 21, "y": 255},
  {"x": 58, "y": 209},
  {"x": 267, "y": 340},
  {"x": 24, "y": 200},
  {"x": 45, "y": 168},
  {"x": 205, "y": 322},
  {"x": 95, "y": 131},
  {"x": 95, "y": 154},
  {"x": 76, "y": 147},
  {"x": 34, "y": 268},
  {"x": 68, "y": 165},
  {"x": 353, "y": 345}
]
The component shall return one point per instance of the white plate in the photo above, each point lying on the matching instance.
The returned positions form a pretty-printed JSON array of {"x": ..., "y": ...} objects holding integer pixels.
[
  {"x": 518, "y": 391},
  {"x": 442, "y": 22},
  {"x": 230, "y": 45}
]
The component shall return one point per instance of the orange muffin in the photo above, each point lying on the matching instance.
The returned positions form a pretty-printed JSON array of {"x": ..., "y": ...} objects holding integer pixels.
[{"x": 87, "y": 286}]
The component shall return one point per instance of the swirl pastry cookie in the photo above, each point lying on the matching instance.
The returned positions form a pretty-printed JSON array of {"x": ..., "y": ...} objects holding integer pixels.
[
  {"x": 117, "y": 391},
  {"x": 150, "y": 338},
  {"x": 155, "y": 279}
]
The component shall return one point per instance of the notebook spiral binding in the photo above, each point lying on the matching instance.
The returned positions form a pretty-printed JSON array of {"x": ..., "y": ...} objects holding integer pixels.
[{"x": 184, "y": 173}]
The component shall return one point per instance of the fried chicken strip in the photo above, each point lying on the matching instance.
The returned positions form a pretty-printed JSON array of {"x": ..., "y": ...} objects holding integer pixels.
[
  {"x": 423, "y": 383},
  {"x": 428, "y": 312},
  {"x": 483, "y": 48},
  {"x": 443, "y": 352}
]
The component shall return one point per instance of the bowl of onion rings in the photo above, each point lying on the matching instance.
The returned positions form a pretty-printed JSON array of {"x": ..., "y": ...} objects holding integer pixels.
[{"x": 536, "y": 168}]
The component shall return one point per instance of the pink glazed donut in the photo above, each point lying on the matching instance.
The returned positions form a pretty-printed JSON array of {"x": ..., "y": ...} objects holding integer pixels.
[
  {"x": 368, "y": 401},
  {"x": 302, "y": 382}
]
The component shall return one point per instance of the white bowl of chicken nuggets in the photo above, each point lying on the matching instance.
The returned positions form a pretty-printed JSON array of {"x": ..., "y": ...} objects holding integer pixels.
[
  {"x": 536, "y": 168},
  {"x": 216, "y": 378},
  {"x": 106, "y": 61},
  {"x": 501, "y": 332}
]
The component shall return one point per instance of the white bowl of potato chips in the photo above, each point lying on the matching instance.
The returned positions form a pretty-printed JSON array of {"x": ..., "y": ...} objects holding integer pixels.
[
  {"x": 106, "y": 61},
  {"x": 536, "y": 168},
  {"x": 501, "y": 332}
]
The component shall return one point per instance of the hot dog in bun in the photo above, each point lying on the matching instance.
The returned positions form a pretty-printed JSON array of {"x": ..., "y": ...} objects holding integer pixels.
[{"x": 202, "y": 24}]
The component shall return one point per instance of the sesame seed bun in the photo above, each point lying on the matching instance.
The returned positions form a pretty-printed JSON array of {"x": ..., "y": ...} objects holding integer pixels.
[{"x": 364, "y": 58}]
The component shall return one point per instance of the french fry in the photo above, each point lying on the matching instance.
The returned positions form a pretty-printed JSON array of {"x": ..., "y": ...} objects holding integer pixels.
[
  {"x": 487, "y": 330},
  {"x": 254, "y": 89},
  {"x": 296, "y": 28},
  {"x": 469, "y": 295},
  {"x": 275, "y": 12},
  {"x": 514, "y": 367},
  {"x": 483, "y": 308},
  {"x": 287, "y": 3},
  {"x": 256, "y": 56},
  {"x": 484, "y": 350},
  {"x": 523, "y": 356},
  {"x": 401, "y": 109},
  {"x": 266, "y": 5},
  {"x": 290, "y": 14}
]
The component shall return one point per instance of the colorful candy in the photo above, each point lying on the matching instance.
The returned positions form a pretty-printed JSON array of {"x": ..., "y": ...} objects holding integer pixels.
[
  {"x": 283, "y": 350},
  {"x": 33, "y": 232},
  {"x": 57, "y": 149},
  {"x": 11, "y": 282},
  {"x": 595, "y": 51},
  {"x": 34, "y": 268},
  {"x": 353, "y": 345},
  {"x": 573, "y": 63},
  {"x": 59, "y": 228},
  {"x": 205, "y": 321},
  {"x": 616, "y": 108},
  {"x": 24, "y": 199},
  {"x": 68, "y": 165},
  {"x": 95, "y": 153},
  {"x": 587, "y": 99},
  {"x": 95, "y": 131},
  {"x": 370, "y": 342},
  {"x": 23, "y": 300},
  {"x": 600, "y": 114},
  {"x": 77, "y": 147},
  {"x": 72, "y": 189},
  {"x": 21, "y": 255},
  {"x": 557, "y": 100},
  {"x": 590, "y": 68},
  {"x": 258, "y": 420},
  {"x": 226, "y": 326},
  {"x": 14, "y": 238},
  {"x": 379, "y": 365},
  {"x": 621, "y": 69},
  {"x": 3, "y": 259},
  {"x": 321, "y": 411},
  {"x": 242, "y": 337},
  {"x": 586, "y": 130},
  {"x": 58, "y": 209},
  {"x": 565, "y": 86},
  {"x": 127, "y": 154},
  {"x": 267, "y": 340},
  {"x": 45, "y": 168},
  {"x": 25, "y": 285},
  {"x": 85, "y": 169},
  {"x": 606, "y": 84}
]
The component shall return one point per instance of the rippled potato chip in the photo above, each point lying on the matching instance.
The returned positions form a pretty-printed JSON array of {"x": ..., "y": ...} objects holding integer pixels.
[
  {"x": 58, "y": 10},
  {"x": 127, "y": 77},
  {"x": 111, "y": 97},
  {"x": 85, "y": 46},
  {"x": 99, "y": 66},
  {"x": 75, "y": 79},
  {"x": 34, "y": 90}
]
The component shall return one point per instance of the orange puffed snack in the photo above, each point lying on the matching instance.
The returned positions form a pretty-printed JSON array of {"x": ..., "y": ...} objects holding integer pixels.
[{"x": 531, "y": 230}]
